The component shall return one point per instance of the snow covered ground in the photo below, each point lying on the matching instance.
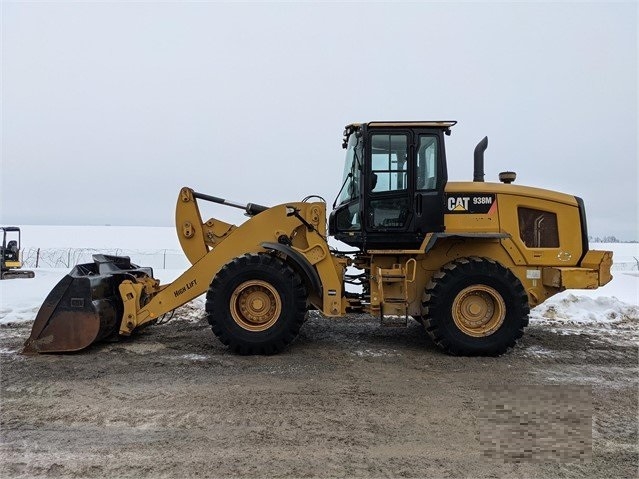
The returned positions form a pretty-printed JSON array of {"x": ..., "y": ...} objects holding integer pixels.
[{"x": 615, "y": 307}]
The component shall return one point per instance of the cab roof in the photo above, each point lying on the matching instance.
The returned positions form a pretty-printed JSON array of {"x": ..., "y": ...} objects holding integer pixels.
[
  {"x": 441, "y": 124},
  {"x": 445, "y": 124}
]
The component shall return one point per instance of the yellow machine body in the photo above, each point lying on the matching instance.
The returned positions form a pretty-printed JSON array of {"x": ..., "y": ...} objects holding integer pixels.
[
  {"x": 543, "y": 272},
  {"x": 487, "y": 253}
]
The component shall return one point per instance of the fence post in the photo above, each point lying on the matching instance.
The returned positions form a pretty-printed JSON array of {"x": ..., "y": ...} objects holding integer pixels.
[
  {"x": 164, "y": 262},
  {"x": 69, "y": 258},
  {"x": 37, "y": 257}
]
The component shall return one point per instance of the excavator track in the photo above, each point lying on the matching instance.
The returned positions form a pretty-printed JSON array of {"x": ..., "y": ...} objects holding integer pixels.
[{"x": 17, "y": 274}]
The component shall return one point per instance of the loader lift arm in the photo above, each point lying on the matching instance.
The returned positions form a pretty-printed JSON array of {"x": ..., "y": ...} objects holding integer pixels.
[
  {"x": 268, "y": 229},
  {"x": 113, "y": 296}
]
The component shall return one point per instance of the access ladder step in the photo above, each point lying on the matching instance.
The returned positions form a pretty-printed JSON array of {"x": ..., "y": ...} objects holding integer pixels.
[
  {"x": 393, "y": 278},
  {"x": 392, "y": 275}
]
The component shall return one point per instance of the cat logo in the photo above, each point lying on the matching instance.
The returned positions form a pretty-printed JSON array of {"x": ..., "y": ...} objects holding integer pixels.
[
  {"x": 459, "y": 203},
  {"x": 471, "y": 203}
]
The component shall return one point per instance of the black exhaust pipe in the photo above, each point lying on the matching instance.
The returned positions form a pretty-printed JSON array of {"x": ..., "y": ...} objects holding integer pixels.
[{"x": 478, "y": 174}]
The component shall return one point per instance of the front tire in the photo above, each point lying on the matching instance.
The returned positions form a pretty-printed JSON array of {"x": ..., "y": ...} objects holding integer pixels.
[
  {"x": 256, "y": 304},
  {"x": 475, "y": 306}
]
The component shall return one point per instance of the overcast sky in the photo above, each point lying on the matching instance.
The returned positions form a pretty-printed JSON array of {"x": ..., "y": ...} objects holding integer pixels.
[{"x": 109, "y": 108}]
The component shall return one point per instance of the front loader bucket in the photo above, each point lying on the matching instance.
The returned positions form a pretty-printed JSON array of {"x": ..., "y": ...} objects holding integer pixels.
[{"x": 84, "y": 307}]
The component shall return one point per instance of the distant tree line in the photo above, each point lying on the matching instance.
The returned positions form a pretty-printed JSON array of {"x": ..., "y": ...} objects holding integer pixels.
[{"x": 608, "y": 239}]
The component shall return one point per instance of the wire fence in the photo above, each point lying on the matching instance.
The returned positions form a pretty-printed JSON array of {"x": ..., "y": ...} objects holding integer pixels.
[{"x": 69, "y": 257}]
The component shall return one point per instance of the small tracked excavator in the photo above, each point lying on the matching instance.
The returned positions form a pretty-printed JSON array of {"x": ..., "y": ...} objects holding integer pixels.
[
  {"x": 10, "y": 261},
  {"x": 465, "y": 259}
]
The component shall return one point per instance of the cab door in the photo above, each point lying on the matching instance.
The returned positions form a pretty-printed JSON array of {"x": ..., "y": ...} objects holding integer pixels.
[
  {"x": 389, "y": 205},
  {"x": 406, "y": 175},
  {"x": 430, "y": 181}
]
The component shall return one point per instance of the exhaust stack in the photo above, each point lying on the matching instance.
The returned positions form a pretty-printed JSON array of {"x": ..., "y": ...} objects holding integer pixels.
[{"x": 478, "y": 174}]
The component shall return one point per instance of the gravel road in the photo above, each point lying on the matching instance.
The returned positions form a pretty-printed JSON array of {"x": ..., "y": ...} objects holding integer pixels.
[{"x": 348, "y": 399}]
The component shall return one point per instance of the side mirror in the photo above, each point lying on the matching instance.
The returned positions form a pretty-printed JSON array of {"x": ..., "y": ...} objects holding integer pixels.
[{"x": 373, "y": 181}]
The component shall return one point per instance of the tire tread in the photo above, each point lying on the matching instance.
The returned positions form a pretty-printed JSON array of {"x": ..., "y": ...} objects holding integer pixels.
[
  {"x": 216, "y": 313},
  {"x": 436, "y": 312}
]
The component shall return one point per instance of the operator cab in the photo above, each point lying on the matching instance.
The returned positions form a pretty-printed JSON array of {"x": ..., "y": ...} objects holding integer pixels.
[
  {"x": 9, "y": 250},
  {"x": 392, "y": 193}
]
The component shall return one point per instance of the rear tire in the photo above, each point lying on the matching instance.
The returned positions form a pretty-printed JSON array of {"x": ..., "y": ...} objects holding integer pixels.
[
  {"x": 256, "y": 304},
  {"x": 475, "y": 306}
]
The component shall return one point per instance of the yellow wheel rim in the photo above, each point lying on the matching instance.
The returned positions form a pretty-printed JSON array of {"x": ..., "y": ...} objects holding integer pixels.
[
  {"x": 255, "y": 305},
  {"x": 479, "y": 310}
]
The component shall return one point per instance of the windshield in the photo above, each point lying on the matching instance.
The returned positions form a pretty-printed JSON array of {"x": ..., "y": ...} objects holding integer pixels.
[{"x": 352, "y": 167}]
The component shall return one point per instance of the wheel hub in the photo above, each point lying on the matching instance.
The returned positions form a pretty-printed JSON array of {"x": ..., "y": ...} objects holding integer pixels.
[
  {"x": 255, "y": 305},
  {"x": 479, "y": 310}
]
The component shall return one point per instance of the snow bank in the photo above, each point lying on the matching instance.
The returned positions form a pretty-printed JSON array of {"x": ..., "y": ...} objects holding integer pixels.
[{"x": 581, "y": 310}]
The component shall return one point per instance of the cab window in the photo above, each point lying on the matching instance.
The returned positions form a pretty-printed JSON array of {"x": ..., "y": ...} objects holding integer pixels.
[
  {"x": 389, "y": 173},
  {"x": 389, "y": 163},
  {"x": 427, "y": 163}
]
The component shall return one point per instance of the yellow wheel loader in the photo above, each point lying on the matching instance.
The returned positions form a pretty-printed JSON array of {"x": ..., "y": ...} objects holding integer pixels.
[{"x": 466, "y": 259}]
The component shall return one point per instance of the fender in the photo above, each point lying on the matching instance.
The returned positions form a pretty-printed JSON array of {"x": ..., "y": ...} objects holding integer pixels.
[{"x": 300, "y": 262}]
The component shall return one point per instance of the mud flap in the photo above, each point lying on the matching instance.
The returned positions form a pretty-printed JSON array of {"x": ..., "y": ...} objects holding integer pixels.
[{"x": 84, "y": 307}]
